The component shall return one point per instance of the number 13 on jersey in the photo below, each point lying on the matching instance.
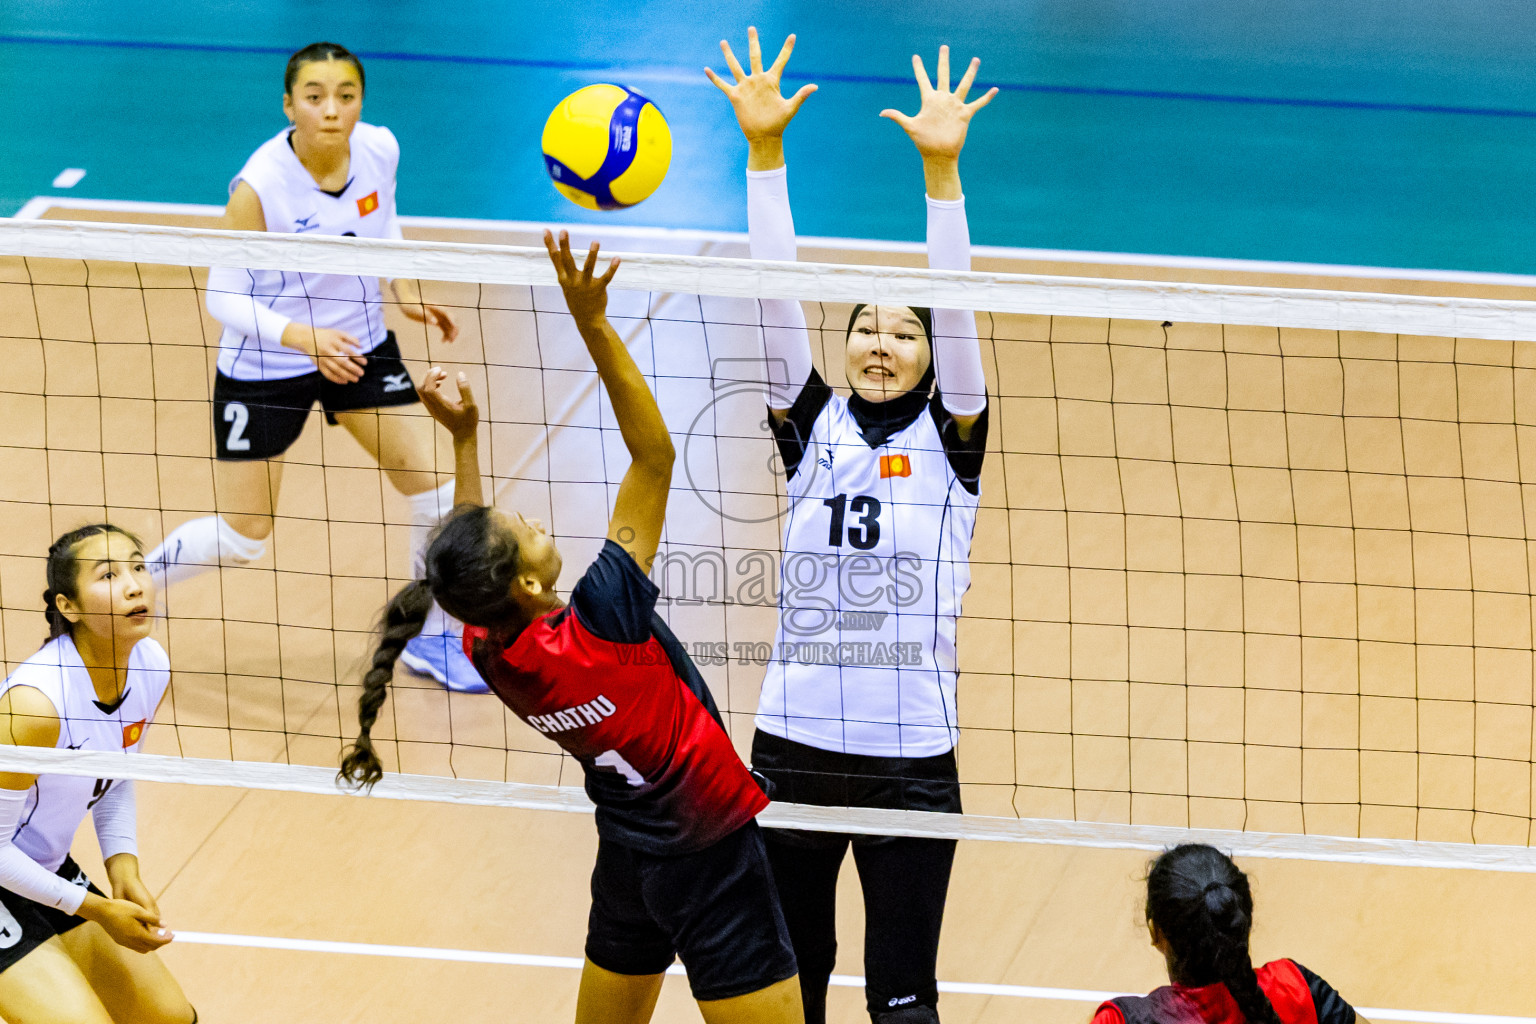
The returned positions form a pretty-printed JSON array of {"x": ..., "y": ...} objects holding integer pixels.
[{"x": 864, "y": 532}]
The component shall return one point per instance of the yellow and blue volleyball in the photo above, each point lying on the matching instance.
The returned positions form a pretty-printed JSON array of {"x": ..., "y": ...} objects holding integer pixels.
[{"x": 606, "y": 147}]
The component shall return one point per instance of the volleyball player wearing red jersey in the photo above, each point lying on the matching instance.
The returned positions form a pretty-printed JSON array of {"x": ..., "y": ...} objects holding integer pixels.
[
  {"x": 681, "y": 866},
  {"x": 1199, "y": 912}
]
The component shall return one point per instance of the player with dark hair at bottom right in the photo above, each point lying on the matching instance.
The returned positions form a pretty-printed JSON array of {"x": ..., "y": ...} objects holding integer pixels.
[{"x": 1199, "y": 913}]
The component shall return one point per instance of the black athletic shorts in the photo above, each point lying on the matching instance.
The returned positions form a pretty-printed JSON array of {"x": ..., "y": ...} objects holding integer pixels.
[
  {"x": 260, "y": 419},
  {"x": 26, "y": 924},
  {"x": 717, "y": 910},
  {"x": 802, "y": 774}
]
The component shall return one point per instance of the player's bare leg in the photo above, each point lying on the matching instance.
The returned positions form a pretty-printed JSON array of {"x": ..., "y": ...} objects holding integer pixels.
[
  {"x": 779, "y": 1003},
  {"x": 245, "y": 494},
  {"x": 609, "y": 998},
  {"x": 133, "y": 986},
  {"x": 402, "y": 442},
  {"x": 47, "y": 987}
]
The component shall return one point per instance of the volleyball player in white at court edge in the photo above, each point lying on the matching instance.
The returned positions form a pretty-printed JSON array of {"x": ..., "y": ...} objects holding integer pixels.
[
  {"x": 68, "y": 953},
  {"x": 858, "y": 705},
  {"x": 292, "y": 339}
]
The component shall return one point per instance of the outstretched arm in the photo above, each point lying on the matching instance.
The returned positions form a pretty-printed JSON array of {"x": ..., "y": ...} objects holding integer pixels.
[
  {"x": 462, "y": 418},
  {"x": 938, "y": 130},
  {"x": 641, "y": 505},
  {"x": 764, "y": 114}
]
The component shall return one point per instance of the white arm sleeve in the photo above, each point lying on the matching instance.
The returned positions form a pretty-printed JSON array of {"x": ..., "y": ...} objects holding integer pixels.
[
  {"x": 956, "y": 350},
  {"x": 771, "y": 236},
  {"x": 23, "y": 875},
  {"x": 116, "y": 816},
  {"x": 231, "y": 303}
]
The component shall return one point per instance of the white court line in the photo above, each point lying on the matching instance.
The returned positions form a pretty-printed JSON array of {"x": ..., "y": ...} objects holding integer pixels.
[
  {"x": 39, "y": 205},
  {"x": 69, "y": 177},
  {"x": 474, "y": 956}
]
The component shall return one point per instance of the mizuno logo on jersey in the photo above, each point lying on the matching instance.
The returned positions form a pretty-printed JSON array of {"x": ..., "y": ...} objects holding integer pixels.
[
  {"x": 397, "y": 382},
  {"x": 131, "y": 733},
  {"x": 305, "y": 223},
  {"x": 367, "y": 204},
  {"x": 578, "y": 717},
  {"x": 895, "y": 465},
  {"x": 826, "y": 460}
]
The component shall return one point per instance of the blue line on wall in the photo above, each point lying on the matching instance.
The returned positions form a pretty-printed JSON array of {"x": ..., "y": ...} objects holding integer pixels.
[{"x": 586, "y": 65}]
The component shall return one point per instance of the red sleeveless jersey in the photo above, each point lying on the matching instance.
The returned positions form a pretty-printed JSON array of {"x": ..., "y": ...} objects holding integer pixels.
[
  {"x": 608, "y": 681},
  {"x": 1298, "y": 996}
]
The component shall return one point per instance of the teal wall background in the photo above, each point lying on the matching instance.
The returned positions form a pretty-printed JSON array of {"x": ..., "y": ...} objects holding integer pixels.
[{"x": 1381, "y": 132}]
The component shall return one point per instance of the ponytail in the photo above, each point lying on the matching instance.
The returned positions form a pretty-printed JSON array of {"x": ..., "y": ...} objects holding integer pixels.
[
  {"x": 403, "y": 618},
  {"x": 1230, "y": 924},
  {"x": 470, "y": 568},
  {"x": 1203, "y": 906}
]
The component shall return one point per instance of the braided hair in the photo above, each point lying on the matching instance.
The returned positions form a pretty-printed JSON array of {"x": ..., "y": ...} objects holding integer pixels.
[
  {"x": 63, "y": 573},
  {"x": 1201, "y": 903},
  {"x": 470, "y": 565}
]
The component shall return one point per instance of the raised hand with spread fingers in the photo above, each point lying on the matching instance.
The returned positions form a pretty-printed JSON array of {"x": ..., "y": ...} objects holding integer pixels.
[
  {"x": 939, "y": 127},
  {"x": 761, "y": 109}
]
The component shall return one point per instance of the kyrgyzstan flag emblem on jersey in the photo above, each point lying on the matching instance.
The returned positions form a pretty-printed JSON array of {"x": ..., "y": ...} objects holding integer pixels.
[
  {"x": 895, "y": 465},
  {"x": 367, "y": 204},
  {"x": 131, "y": 733}
]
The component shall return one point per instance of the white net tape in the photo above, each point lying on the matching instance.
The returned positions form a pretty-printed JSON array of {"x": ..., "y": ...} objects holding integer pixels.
[
  {"x": 1497, "y": 319},
  {"x": 863, "y": 820}
]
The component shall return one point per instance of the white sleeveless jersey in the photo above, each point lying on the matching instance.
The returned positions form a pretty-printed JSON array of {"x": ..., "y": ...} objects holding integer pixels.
[
  {"x": 876, "y": 561},
  {"x": 292, "y": 202},
  {"x": 56, "y": 804}
]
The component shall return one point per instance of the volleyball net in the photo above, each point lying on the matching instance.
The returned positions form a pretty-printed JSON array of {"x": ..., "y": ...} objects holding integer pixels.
[{"x": 1252, "y": 564}]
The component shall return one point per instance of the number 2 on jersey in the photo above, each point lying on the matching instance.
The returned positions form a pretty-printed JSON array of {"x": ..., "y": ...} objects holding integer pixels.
[
  {"x": 864, "y": 534},
  {"x": 237, "y": 416},
  {"x": 613, "y": 759}
]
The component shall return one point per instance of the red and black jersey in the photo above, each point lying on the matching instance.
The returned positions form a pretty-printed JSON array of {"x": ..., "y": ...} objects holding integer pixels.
[
  {"x": 606, "y": 680},
  {"x": 1298, "y": 996}
]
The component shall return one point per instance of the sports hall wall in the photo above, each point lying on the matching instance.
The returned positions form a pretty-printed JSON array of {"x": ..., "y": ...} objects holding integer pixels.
[{"x": 1357, "y": 133}]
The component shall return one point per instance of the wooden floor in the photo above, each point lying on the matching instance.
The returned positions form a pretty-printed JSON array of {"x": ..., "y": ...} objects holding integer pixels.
[{"x": 266, "y": 658}]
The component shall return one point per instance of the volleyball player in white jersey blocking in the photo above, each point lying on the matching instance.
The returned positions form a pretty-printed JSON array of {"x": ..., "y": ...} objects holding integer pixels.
[
  {"x": 858, "y": 705},
  {"x": 68, "y": 953},
  {"x": 292, "y": 339}
]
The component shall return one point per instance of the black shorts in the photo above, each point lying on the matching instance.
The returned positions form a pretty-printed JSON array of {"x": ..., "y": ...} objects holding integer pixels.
[
  {"x": 717, "y": 910},
  {"x": 802, "y": 774},
  {"x": 26, "y": 924},
  {"x": 260, "y": 419}
]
